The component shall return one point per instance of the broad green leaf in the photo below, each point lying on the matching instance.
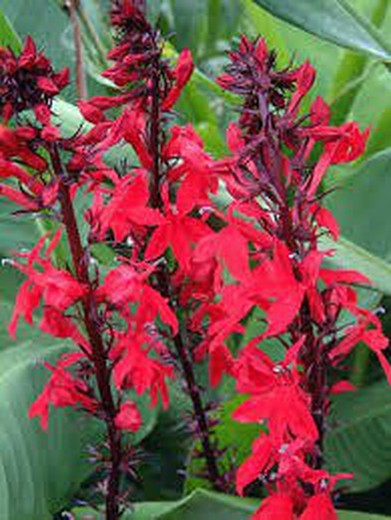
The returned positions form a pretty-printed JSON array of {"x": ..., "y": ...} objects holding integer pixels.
[
  {"x": 25, "y": 333},
  {"x": 350, "y": 73},
  {"x": 380, "y": 138},
  {"x": 348, "y": 255},
  {"x": 39, "y": 471},
  {"x": 205, "y": 26},
  {"x": 200, "y": 504},
  {"x": 203, "y": 505},
  {"x": 166, "y": 452},
  {"x": 190, "y": 22},
  {"x": 360, "y": 440},
  {"x": 69, "y": 117},
  {"x": 361, "y": 205},
  {"x": 43, "y": 469},
  {"x": 8, "y": 36},
  {"x": 17, "y": 230},
  {"x": 212, "y": 138},
  {"x": 153, "y": 10},
  {"x": 351, "y": 515},
  {"x": 332, "y": 20},
  {"x": 223, "y": 20}
]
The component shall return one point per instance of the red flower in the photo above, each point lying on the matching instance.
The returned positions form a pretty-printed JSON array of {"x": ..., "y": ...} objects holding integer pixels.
[
  {"x": 123, "y": 285},
  {"x": 320, "y": 507},
  {"x": 135, "y": 369},
  {"x": 368, "y": 330},
  {"x": 221, "y": 362},
  {"x": 275, "y": 396},
  {"x": 182, "y": 74},
  {"x": 274, "y": 287},
  {"x": 260, "y": 461},
  {"x": 58, "y": 325},
  {"x": 275, "y": 507},
  {"x": 57, "y": 287},
  {"x": 343, "y": 144},
  {"x": 128, "y": 211},
  {"x": 178, "y": 231},
  {"x": 195, "y": 170},
  {"x": 28, "y": 82},
  {"x": 62, "y": 389},
  {"x": 128, "y": 417}
]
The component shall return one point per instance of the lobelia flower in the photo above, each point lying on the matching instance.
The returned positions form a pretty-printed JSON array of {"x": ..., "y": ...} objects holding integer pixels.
[
  {"x": 119, "y": 326},
  {"x": 190, "y": 275},
  {"x": 28, "y": 81},
  {"x": 62, "y": 389},
  {"x": 270, "y": 177},
  {"x": 128, "y": 417}
]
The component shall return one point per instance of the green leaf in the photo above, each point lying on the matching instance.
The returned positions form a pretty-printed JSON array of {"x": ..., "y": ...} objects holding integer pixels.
[
  {"x": 153, "y": 10},
  {"x": 24, "y": 231},
  {"x": 39, "y": 471},
  {"x": 17, "y": 232},
  {"x": 44, "y": 469},
  {"x": 223, "y": 21},
  {"x": 360, "y": 442},
  {"x": 190, "y": 22},
  {"x": 348, "y": 255},
  {"x": 380, "y": 137},
  {"x": 166, "y": 451},
  {"x": 200, "y": 504},
  {"x": 69, "y": 117},
  {"x": 350, "y": 73},
  {"x": 205, "y": 505},
  {"x": 361, "y": 204},
  {"x": 25, "y": 333},
  {"x": 8, "y": 36},
  {"x": 351, "y": 515},
  {"x": 204, "y": 26},
  {"x": 332, "y": 20}
]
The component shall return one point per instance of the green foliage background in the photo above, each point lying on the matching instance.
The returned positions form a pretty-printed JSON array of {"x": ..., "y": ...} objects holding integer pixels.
[{"x": 41, "y": 474}]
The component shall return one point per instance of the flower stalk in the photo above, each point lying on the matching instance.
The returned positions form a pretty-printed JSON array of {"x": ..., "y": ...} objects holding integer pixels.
[
  {"x": 92, "y": 324},
  {"x": 181, "y": 348}
]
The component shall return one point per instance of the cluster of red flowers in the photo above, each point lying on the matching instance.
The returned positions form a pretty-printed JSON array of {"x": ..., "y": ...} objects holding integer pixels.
[
  {"x": 191, "y": 273},
  {"x": 274, "y": 179}
]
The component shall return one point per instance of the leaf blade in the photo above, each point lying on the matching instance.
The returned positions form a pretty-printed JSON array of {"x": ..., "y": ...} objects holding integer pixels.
[{"x": 332, "y": 20}]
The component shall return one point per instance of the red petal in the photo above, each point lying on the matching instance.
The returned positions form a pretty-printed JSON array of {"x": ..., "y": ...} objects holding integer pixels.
[{"x": 128, "y": 417}]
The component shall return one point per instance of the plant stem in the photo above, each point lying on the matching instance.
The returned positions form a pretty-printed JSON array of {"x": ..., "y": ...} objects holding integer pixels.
[
  {"x": 194, "y": 391},
  {"x": 93, "y": 35},
  {"x": 165, "y": 288},
  {"x": 81, "y": 81},
  {"x": 200, "y": 415},
  {"x": 92, "y": 325},
  {"x": 314, "y": 361},
  {"x": 313, "y": 355}
]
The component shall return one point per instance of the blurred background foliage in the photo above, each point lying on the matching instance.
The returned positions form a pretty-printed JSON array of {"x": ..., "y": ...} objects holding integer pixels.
[{"x": 348, "y": 42}]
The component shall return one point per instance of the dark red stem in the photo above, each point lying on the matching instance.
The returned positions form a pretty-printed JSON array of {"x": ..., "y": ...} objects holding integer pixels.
[
  {"x": 194, "y": 392},
  {"x": 163, "y": 277},
  {"x": 313, "y": 355},
  {"x": 92, "y": 325},
  {"x": 314, "y": 360}
]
